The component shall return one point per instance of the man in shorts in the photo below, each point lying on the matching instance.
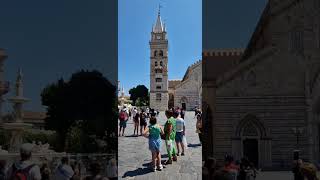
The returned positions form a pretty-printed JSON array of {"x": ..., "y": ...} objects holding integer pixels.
[
  {"x": 180, "y": 132},
  {"x": 143, "y": 121},
  {"x": 123, "y": 117}
]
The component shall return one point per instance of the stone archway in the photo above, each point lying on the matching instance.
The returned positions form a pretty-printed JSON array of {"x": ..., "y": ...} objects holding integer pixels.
[
  {"x": 251, "y": 140},
  {"x": 184, "y": 103}
]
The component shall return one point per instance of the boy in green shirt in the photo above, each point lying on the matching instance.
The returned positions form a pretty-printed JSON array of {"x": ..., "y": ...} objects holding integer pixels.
[{"x": 170, "y": 135}]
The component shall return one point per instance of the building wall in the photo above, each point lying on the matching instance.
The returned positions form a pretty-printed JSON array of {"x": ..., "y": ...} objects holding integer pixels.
[
  {"x": 189, "y": 90},
  {"x": 159, "y": 105},
  {"x": 274, "y": 87}
]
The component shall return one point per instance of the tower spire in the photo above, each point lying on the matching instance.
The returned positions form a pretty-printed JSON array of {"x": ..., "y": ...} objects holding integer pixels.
[
  {"x": 159, "y": 10},
  {"x": 158, "y": 28}
]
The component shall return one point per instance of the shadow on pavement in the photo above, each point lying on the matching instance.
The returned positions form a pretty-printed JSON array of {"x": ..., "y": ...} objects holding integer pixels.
[
  {"x": 194, "y": 145},
  {"x": 164, "y": 155},
  {"x": 149, "y": 163},
  {"x": 131, "y": 136},
  {"x": 137, "y": 172}
]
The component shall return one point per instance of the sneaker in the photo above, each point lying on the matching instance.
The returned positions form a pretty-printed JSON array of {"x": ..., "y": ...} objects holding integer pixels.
[
  {"x": 178, "y": 154},
  {"x": 160, "y": 167},
  {"x": 174, "y": 158},
  {"x": 182, "y": 154},
  {"x": 168, "y": 162},
  {"x": 154, "y": 169}
]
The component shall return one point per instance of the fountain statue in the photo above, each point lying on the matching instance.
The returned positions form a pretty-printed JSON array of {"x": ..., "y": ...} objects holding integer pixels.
[{"x": 17, "y": 127}]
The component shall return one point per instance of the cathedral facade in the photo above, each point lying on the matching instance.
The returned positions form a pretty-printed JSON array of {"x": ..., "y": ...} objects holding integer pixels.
[
  {"x": 164, "y": 93},
  {"x": 186, "y": 93},
  {"x": 265, "y": 103}
]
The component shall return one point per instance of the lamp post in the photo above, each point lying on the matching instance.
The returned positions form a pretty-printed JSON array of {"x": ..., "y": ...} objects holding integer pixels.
[{"x": 297, "y": 131}]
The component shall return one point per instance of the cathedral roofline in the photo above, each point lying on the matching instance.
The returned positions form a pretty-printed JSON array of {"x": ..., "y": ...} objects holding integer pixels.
[
  {"x": 223, "y": 52},
  {"x": 232, "y": 73}
]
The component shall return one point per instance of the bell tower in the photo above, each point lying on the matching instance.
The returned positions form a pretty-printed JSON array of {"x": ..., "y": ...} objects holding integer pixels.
[{"x": 159, "y": 96}]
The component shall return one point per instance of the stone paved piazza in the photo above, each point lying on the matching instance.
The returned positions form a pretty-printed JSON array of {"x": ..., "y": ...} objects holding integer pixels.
[{"x": 134, "y": 155}]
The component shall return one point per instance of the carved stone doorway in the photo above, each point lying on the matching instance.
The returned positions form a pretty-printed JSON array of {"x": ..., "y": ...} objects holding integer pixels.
[{"x": 251, "y": 150}]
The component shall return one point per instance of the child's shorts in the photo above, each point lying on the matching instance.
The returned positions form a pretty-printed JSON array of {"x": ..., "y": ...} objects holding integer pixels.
[
  {"x": 179, "y": 137},
  {"x": 155, "y": 145}
]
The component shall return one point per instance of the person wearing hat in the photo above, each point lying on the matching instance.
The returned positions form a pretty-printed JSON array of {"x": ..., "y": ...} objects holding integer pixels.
[{"x": 24, "y": 168}]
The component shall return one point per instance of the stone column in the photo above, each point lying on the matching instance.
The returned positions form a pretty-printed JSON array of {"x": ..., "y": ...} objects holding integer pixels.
[
  {"x": 236, "y": 147},
  {"x": 265, "y": 154},
  {"x": 208, "y": 99}
]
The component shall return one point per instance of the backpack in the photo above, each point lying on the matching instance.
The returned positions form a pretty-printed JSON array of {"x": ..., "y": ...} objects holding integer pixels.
[
  {"x": 20, "y": 174},
  {"x": 122, "y": 116}
]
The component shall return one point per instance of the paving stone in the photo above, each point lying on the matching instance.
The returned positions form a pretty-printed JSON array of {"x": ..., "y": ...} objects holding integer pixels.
[{"x": 134, "y": 155}]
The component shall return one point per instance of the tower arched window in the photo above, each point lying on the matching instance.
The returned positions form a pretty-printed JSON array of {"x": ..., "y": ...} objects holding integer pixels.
[
  {"x": 161, "y": 53},
  {"x": 155, "y": 53},
  {"x": 156, "y": 63},
  {"x": 161, "y": 64}
]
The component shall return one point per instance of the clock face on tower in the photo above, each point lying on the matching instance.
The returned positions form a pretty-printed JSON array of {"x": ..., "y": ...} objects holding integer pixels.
[{"x": 158, "y": 37}]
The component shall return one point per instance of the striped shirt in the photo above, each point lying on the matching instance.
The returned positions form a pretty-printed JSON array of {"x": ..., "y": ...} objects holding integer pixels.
[{"x": 179, "y": 124}]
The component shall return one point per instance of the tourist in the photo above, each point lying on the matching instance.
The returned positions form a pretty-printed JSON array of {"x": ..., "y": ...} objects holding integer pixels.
[
  {"x": 297, "y": 170},
  {"x": 2, "y": 169},
  {"x": 95, "y": 169},
  {"x": 136, "y": 118},
  {"x": 153, "y": 113},
  {"x": 112, "y": 169},
  {"x": 45, "y": 171},
  {"x": 123, "y": 117},
  {"x": 243, "y": 166},
  {"x": 251, "y": 172},
  {"x": 76, "y": 170},
  {"x": 180, "y": 133},
  {"x": 182, "y": 113},
  {"x": 143, "y": 122},
  {"x": 170, "y": 136},
  {"x": 199, "y": 127},
  {"x": 208, "y": 168},
  {"x": 230, "y": 167},
  {"x": 134, "y": 112},
  {"x": 25, "y": 168},
  {"x": 153, "y": 132},
  {"x": 64, "y": 170},
  {"x": 195, "y": 111},
  {"x": 130, "y": 113}
]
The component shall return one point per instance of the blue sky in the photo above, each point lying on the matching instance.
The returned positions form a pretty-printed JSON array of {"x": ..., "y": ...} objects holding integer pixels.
[
  {"x": 53, "y": 39},
  {"x": 183, "y": 19}
]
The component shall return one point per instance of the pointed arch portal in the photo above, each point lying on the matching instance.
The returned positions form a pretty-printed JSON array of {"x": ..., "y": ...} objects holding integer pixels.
[{"x": 251, "y": 139}]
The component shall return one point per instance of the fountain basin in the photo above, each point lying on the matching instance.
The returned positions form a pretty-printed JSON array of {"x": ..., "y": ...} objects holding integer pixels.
[
  {"x": 18, "y": 99},
  {"x": 16, "y": 126}
]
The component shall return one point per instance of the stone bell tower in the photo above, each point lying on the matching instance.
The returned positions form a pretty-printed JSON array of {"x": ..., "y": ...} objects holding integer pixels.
[{"x": 159, "y": 96}]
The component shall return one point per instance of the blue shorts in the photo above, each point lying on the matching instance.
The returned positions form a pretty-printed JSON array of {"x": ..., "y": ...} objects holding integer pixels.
[
  {"x": 179, "y": 136},
  {"x": 155, "y": 144},
  {"x": 123, "y": 124}
]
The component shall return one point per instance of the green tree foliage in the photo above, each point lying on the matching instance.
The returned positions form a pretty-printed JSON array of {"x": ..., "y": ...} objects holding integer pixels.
[
  {"x": 139, "y": 95},
  {"x": 87, "y": 97}
]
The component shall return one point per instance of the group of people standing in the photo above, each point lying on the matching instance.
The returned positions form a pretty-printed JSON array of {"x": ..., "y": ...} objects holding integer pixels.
[
  {"x": 231, "y": 170},
  {"x": 173, "y": 133},
  {"x": 26, "y": 169},
  {"x": 139, "y": 117}
]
